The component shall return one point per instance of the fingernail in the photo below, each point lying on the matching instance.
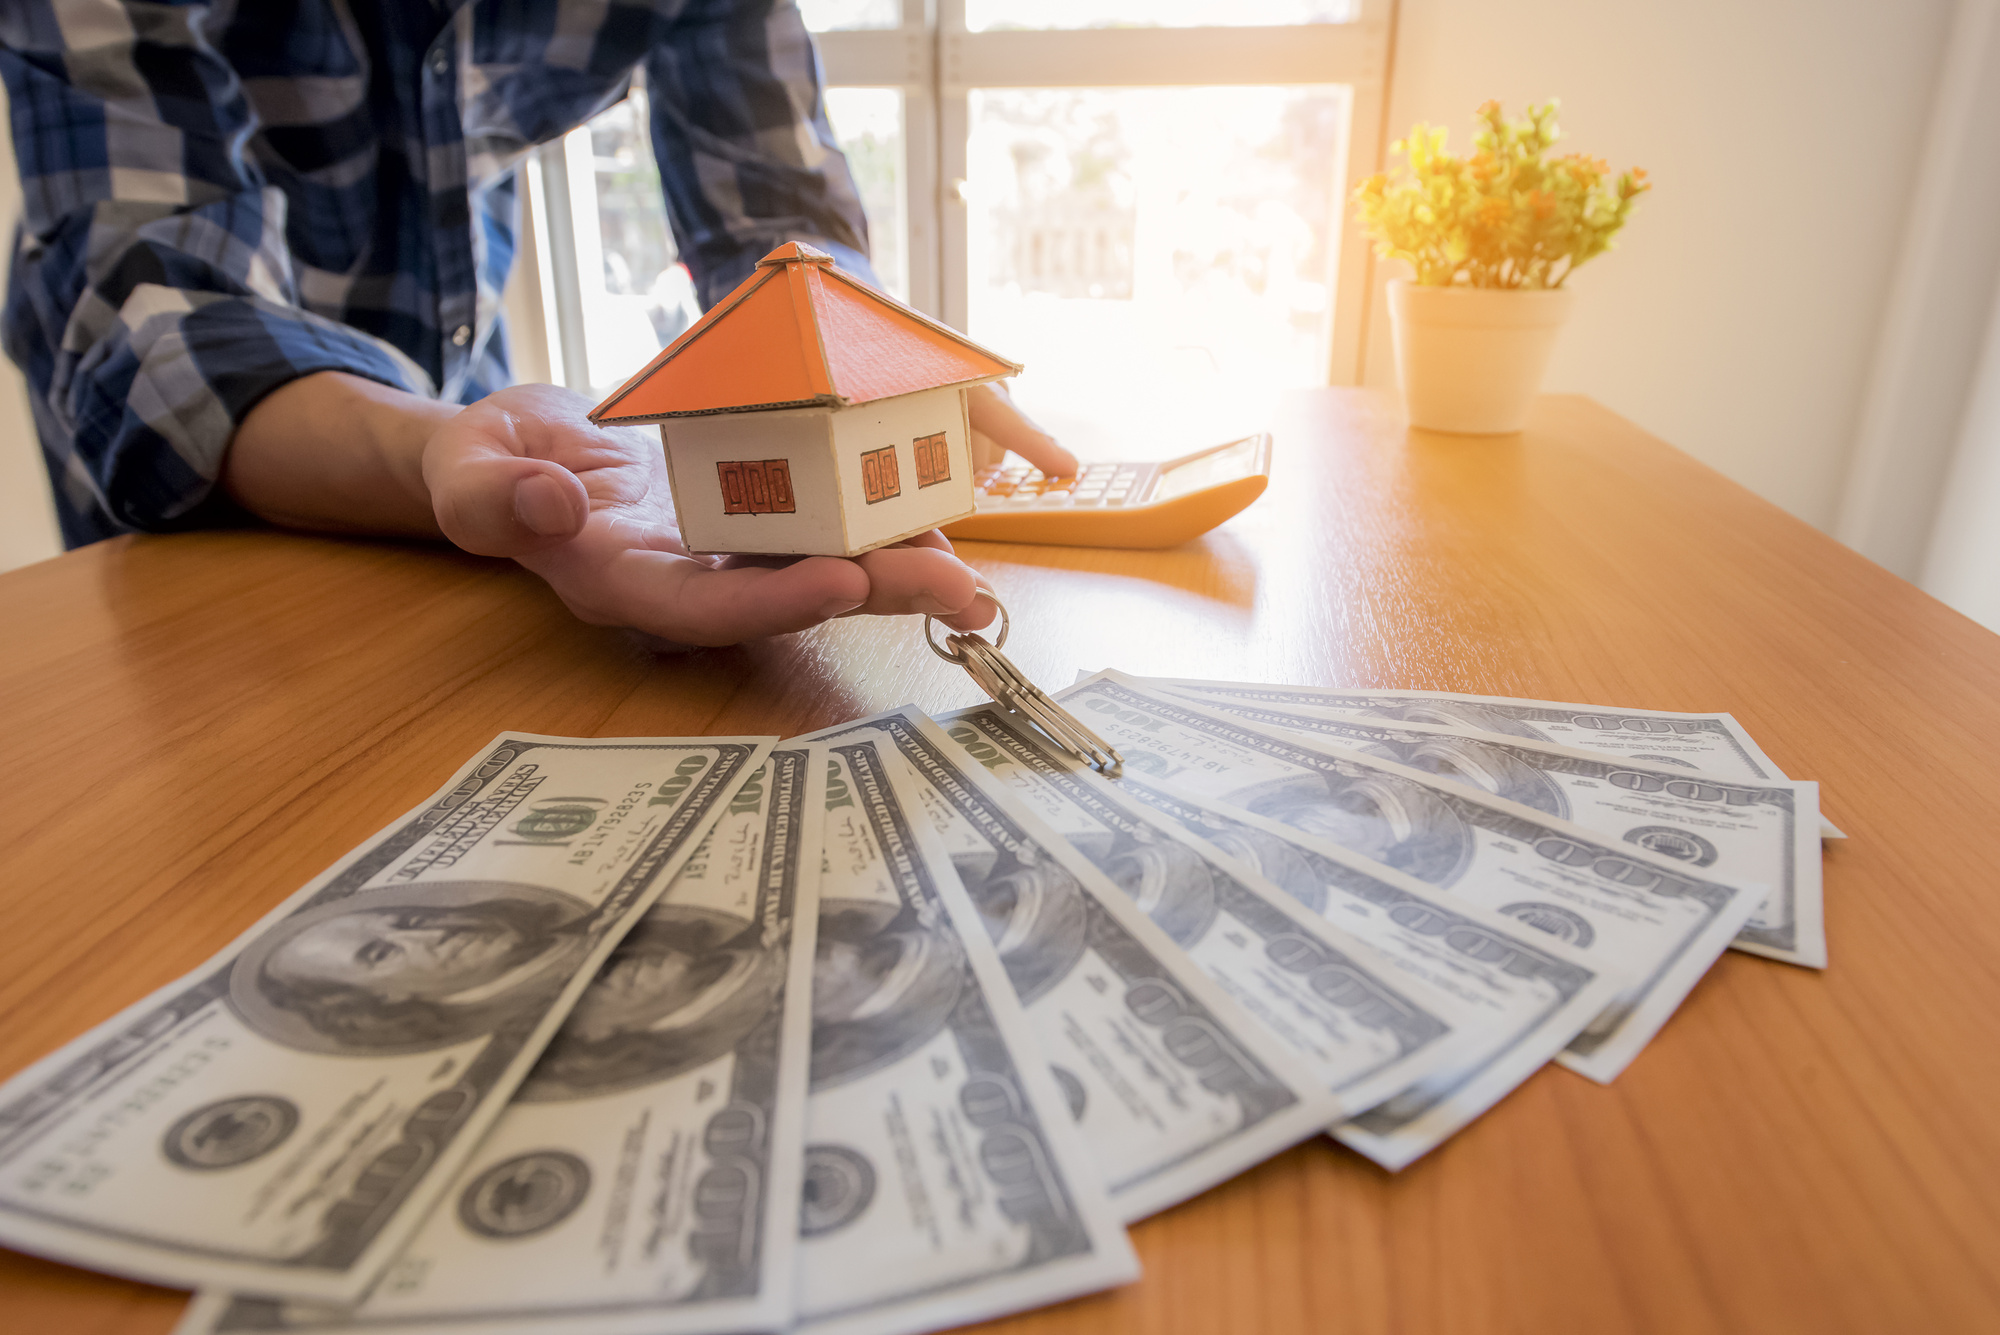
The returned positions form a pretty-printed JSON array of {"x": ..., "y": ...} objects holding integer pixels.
[
  {"x": 543, "y": 505},
  {"x": 837, "y": 607}
]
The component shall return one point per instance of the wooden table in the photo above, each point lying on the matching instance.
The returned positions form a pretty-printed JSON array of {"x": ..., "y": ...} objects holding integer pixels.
[{"x": 196, "y": 725}]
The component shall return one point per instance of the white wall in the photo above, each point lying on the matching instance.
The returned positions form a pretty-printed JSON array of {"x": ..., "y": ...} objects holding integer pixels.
[
  {"x": 1737, "y": 317},
  {"x": 1963, "y": 564},
  {"x": 1923, "y": 494}
]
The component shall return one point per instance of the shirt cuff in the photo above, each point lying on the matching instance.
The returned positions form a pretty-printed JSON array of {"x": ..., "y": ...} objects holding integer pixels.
[{"x": 164, "y": 408}]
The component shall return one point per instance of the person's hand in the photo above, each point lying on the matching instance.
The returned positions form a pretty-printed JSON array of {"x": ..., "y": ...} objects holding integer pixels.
[
  {"x": 998, "y": 426},
  {"x": 524, "y": 473}
]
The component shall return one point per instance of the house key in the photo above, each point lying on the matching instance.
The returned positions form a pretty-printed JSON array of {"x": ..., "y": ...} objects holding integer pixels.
[{"x": 1012, "y": 691}]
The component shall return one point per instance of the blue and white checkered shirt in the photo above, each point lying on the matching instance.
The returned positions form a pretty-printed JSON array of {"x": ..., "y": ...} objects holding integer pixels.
[{"x": 220, "y": 198}]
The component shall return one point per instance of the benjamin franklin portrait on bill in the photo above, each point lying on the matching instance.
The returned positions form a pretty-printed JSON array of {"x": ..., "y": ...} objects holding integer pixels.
[
  {"x": 1383, "y": 816},
  {"x": 1170, "y": 884},
  {"x": 1480, "y": 764},
  {"x": 1035, "y": 915},
  {"x": 683, "y": 988},
  {"x": 410, "y": 968},
  {"x": 884, "y": 984}
]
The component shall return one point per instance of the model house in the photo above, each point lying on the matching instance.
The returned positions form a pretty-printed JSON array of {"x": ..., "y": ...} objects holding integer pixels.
[{"x": 809, "y": 414}]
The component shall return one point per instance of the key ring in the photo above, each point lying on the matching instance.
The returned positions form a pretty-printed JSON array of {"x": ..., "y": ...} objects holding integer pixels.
[
  {"x": 1012, "y": 691},
  {"x": 957, "y": 656}
]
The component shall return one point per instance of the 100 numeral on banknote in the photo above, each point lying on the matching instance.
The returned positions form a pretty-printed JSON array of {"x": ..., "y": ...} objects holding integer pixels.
[{"x": 222, "y": 1133}]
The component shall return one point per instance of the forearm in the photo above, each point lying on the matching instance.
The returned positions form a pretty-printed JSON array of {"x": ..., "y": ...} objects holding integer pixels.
[
  {"x": 336, "y": 453},
  {"x": 737, "y": 182}
]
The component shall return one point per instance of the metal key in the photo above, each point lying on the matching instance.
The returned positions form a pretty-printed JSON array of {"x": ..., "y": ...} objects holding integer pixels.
[{"x": 1012, "y": 691}]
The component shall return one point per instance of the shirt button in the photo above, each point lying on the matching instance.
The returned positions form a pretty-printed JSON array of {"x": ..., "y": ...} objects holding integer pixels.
[
  {"x": 440, "y": 62},
  {"x": 461, "y": 336}
]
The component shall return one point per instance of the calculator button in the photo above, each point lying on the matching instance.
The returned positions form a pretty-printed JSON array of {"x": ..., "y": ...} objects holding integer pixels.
[
  {"x": 1023, "y": 498},
  {"x": 1055, "y": 498}
]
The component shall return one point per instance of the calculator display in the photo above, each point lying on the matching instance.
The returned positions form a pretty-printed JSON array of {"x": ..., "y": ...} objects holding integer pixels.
[{"x": 1225, "y": 465}]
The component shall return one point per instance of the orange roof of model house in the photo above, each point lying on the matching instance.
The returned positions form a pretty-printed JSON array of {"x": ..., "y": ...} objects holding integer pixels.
[{"x": 798, "y": 332}]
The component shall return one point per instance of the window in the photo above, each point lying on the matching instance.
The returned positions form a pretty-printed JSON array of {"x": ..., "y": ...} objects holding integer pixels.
[
  {"x": 756, "y": 487},
  {"x": 1144, "y": 201},
  {"x": 880, "y": 478},
  {"x": 933, "y": 460}
]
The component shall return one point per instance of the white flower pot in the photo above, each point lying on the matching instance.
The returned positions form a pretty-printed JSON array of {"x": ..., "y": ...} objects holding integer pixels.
[{"x": 1470, "y": 359}]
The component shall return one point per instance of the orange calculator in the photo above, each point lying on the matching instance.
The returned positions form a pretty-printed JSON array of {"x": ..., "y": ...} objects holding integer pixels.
[{"x": 1118, "y": 505}]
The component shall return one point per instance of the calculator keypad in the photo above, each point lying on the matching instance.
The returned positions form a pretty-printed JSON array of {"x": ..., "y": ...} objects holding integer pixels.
[{"x": 1097, "y": 486}]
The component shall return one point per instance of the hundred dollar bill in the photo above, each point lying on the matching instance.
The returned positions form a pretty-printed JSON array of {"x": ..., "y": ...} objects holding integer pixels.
[
  {"x": 1756, "y": 832},
  {"x": 1176, "y": 1086},
  {"x": 1540, "y": 991},
  {"x": 944, "y": 1183},
  {"x": 1658, "y": 920},
  {"x": 280, "y": 1120},
  {"x": 1331, "y": 999},
  {"x": 1712, "y": 743},
  {"x": 646, "y": 1177}
]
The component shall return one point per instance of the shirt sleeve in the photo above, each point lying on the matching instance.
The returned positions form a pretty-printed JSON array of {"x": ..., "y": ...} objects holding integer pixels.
[
  {"x": 747, "y": 158},
  {"x": 152, "y": 301}
]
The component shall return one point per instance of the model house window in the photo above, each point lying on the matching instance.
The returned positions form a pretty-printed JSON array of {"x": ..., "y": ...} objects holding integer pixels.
[
  {"x": 879, "y": 477},
  {"x": 756, "y": 487},
  {"x": 933, "y": 460},
  {"x": 1147, "y": 196}
]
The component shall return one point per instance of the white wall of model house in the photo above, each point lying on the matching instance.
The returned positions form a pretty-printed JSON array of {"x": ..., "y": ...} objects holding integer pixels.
[{"x": 823, "y": 450}]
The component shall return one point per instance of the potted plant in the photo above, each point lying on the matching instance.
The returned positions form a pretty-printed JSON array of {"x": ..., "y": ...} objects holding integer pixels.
[{"x": 1493, "y": 239}]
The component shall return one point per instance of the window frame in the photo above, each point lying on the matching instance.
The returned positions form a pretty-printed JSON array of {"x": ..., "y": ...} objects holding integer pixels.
[{"x": 935, "y": 63}]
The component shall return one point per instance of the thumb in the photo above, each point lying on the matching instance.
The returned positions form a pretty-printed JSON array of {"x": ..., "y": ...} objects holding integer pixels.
[{"x": 495, "y": 503}]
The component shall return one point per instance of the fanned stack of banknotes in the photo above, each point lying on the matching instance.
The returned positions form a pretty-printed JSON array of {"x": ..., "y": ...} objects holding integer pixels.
[{"x": 895, "y": 1026}]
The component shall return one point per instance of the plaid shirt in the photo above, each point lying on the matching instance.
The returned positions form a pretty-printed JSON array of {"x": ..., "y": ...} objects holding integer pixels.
[{"x": 220, "y": 198}]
